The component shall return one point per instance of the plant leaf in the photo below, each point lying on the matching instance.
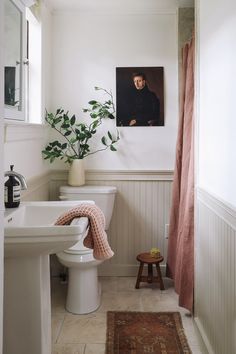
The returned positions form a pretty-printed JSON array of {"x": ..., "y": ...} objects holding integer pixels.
[
  {"x": 104, "y": 140},
  {"x": 65, "y": 116},
  {"x": 65, "y": 125},
  {"x": 112, "y": 148},
  {"x": 92, "y": 102},
  {"x": 72, "y": 120},
  {"x": 95, "y": 124},
  {"x": 82, "y": 136},
  {"x": 57, "y": 120},
  {"x": 67, "y": 133}
]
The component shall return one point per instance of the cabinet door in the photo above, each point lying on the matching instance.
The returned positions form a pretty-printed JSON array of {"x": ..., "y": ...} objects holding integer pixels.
[{"x": 14, "y": 63}]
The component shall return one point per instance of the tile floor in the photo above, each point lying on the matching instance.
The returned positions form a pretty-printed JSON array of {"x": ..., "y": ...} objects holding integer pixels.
[{"x": 86, "y": 334}]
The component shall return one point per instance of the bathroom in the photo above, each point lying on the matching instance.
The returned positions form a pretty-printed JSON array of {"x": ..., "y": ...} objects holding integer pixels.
[{"x": 81, "y": 46}]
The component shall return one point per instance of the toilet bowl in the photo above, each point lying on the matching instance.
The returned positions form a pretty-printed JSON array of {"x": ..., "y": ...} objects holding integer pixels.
[{"x": 84, "y": 290}]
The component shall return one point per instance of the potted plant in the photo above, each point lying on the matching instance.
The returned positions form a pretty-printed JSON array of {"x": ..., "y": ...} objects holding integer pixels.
[{"x": 78, "y": 136}]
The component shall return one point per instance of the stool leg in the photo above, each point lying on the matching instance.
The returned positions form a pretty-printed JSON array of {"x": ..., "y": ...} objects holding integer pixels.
[
  {"x": 160, "y": 277},
  {"x": 139, "y": 275},
  {"x": 150, "y": 273}
]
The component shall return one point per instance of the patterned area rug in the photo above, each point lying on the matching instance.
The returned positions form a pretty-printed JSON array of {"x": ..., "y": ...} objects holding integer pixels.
[{"x": 145, "y": 333}]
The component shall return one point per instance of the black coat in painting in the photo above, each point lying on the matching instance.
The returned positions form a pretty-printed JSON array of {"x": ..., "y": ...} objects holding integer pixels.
[{"x": 144, "y": 107}]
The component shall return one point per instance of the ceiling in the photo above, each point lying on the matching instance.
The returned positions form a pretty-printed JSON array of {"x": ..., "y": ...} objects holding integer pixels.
[{"x": 116, "y": 4}]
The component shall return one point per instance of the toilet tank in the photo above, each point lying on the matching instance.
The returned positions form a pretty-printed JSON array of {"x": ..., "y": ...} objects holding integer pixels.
[{"x": 103, "y": 196}]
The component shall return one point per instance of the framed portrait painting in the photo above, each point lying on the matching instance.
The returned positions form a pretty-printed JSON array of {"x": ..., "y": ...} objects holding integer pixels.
[{"x": 140, "y": 96}]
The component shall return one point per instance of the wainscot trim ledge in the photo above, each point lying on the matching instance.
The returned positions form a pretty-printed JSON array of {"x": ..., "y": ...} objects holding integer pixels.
[
  {"x": 223, "y": 209},
  {"x": 118, "y": 175},
  {"x": 21, "y": 131}
]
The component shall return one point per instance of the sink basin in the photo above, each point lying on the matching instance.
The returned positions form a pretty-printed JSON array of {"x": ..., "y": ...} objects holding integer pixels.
[
  {"x": 30, "y": 230},
  {"x": 30, "y": 236}
]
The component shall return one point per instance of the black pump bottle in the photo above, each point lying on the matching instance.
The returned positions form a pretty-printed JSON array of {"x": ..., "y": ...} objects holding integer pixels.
[{"x": 12, "y": 192}]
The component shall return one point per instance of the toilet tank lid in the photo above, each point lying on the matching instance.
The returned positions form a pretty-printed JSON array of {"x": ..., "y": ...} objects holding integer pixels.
[{"x": 88, "y": 189}]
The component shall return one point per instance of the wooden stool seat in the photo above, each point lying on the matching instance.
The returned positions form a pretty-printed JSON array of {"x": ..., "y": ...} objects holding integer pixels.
[{"x": 150, "y": 261}]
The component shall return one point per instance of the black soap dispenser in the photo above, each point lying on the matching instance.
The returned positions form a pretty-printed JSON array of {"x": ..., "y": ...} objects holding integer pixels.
[{"x": 12, "y": 192}]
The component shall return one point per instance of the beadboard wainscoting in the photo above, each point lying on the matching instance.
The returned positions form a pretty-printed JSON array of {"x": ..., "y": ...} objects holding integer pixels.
[
  {"x": 215, "y": 274},
  {"x": 140, "y": 216}
]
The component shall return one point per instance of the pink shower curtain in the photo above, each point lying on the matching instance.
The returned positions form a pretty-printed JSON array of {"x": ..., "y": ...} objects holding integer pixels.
[{"x": 180, "y": 259}]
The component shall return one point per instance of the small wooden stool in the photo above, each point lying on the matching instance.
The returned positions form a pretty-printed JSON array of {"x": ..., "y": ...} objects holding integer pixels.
[{"x": 150, "y": 261}]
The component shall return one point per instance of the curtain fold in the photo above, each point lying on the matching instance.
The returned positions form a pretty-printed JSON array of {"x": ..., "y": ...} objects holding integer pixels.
[{"x": 180, "y": 258}]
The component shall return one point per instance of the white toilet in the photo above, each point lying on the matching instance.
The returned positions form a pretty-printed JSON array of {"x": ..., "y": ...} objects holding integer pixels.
[{"x": 84, "y": 290}]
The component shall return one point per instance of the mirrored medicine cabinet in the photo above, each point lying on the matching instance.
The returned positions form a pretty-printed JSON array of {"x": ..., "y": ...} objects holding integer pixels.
[{"x": 15, "y": 59}]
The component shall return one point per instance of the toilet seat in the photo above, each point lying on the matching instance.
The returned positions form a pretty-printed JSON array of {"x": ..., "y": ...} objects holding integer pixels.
[
  {"x": 77, "y": 260},
  {"x": 79, "y": 248},
  {"x": 78, "y": 252}
]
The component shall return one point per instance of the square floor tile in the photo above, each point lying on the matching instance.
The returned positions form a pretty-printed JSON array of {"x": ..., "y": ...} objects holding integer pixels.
[
  {"x": 68, "y": 349},
  {"x": 57, "y": 321},
  {"x": 83, "y": 328},
  {"x": 95, "y": 349}
]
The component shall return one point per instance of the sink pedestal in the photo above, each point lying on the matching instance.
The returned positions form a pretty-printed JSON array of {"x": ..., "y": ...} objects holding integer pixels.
[
  {"x": 27, "y": 297},
  {"x": 30, "y": 236}
]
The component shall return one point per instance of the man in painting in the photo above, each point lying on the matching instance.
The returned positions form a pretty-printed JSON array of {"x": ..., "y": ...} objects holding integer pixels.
[{"x": 144, "y": 105}]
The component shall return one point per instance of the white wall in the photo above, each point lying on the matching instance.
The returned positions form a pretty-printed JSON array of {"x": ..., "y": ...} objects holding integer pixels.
[
  {"x": 22, "y": 148},
  {"x": 1, "y": 175},
  {"x": 87, "y": 47},
  {"x": 217, "y": 125}
]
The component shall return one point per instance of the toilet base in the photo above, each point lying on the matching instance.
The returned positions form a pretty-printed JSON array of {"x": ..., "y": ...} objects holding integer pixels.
[{"x": 84, "y": 291}]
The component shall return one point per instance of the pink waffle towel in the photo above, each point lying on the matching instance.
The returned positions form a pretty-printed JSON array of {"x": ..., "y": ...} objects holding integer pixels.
[{"x": 96, "y": 237}]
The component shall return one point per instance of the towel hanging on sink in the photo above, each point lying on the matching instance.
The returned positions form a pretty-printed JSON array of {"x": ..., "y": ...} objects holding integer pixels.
[{"x": 96, "y": 237}]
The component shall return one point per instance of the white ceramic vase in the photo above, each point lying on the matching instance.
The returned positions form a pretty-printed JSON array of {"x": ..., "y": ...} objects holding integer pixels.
[{"x": 76, "y": 176}]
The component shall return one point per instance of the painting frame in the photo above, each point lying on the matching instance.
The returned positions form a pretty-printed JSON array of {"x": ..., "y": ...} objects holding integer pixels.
[{"x": 140, "y": 96}]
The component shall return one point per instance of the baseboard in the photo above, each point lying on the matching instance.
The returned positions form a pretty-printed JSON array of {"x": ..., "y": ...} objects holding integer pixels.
[
  {"x": 120, "y": 270},
  {"x": 205, "y": 344}
]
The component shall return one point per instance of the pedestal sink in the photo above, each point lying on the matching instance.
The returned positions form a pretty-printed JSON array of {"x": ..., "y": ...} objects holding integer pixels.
[{"x": 30, "y": 236}]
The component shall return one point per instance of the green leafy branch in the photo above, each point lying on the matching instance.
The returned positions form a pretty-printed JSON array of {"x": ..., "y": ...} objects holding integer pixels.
[{"x": 78, "y": 135}]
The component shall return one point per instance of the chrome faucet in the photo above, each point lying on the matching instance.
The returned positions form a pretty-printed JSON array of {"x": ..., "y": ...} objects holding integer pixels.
[{"x": 21, "y": 178}]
